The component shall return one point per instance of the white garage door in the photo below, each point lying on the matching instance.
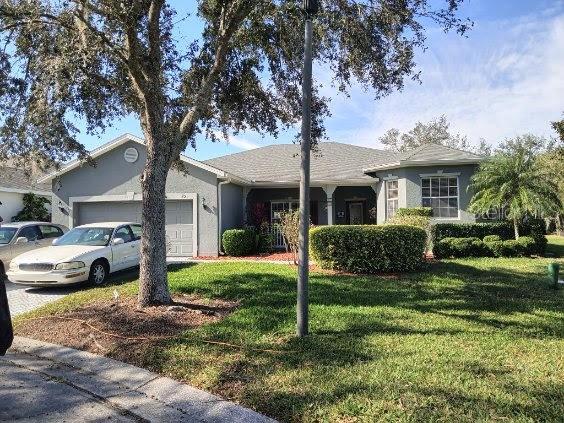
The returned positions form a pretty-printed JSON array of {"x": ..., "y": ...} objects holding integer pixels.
[{"x": 179, "y": 220}]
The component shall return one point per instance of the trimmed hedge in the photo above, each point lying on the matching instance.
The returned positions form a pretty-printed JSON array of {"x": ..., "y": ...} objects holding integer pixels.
[
  {"x": 529, "y": 245},
  {"x": 415, "y": 211},
  {"x": 238, "y": 242},
  {"x": 368, "y": 248},
  {"x": 471, "y": 230},
  {"x": 534, "y": 228},
  {"x": 460, "y": 247},
  {"x": 492, "y": 238},
  {"x": 492, "y": 245}
]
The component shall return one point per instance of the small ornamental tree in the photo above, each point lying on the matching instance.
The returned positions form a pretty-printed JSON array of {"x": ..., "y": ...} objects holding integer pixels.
[
  {"x": 33, "y": 209},
  {"x": 290, "y": 228},
  {"x": 99, "y": 60}
]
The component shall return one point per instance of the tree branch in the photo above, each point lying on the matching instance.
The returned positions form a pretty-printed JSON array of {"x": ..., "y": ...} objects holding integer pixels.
[{"x": 229, "y": 23}]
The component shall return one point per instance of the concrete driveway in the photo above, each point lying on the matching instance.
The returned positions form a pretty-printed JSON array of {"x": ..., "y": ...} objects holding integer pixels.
[{"x": 23, "y": 298}]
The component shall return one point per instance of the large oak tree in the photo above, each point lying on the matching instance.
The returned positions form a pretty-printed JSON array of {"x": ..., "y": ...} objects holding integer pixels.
[{"x": 99, "y": 60}]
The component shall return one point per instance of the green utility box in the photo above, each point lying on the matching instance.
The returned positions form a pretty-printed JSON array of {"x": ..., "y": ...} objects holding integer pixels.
[{"x": 553, "y": 270}]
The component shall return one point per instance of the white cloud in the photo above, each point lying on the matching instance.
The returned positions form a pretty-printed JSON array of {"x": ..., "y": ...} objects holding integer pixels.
[
  {"x": 505, "y": 79},
  {"x": 237, "y": 142}
]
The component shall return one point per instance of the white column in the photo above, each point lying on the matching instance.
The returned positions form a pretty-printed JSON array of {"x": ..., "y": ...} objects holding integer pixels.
[{"x": 329, "y": 190}]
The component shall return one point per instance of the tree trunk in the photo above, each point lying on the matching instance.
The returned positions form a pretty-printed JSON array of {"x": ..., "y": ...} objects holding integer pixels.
[
  {"x": 153, "y": 283},
  {"x": 559, "y": 226},
  {"x": 516, "y": 227}
]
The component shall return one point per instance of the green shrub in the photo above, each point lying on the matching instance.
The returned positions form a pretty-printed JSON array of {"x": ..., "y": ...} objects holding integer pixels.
[
  {"x": 471, "y": 230},
  {"x": 497, "y": 248},
  {"x": 534, "y": 228},
  {"x": 460, "y": 247},
  {"x": 415, "y": 211},
  {"x": 492, "y": 238},
  {"x": 528, "y": 244},
  {"x": 33, "y": 209},
  {"x": 512, "y": 248},
  {"x": 238, "y": 242},
  {"x": 419, "y": 221},
  {"x": 368, "y": 248},
  {"x": 265, "y": 242}
]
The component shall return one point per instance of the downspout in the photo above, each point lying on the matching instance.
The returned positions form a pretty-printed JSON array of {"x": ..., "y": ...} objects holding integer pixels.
[{"x": 219, "y": 210}]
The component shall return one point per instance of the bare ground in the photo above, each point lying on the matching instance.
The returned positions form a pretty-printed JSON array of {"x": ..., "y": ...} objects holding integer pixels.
[{"x": 120, "y": 330}]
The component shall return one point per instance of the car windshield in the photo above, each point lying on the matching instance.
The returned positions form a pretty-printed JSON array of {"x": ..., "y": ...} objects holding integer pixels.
[
  {"x": 6, "y": 234},
  {"x": 86, "y": 236}
]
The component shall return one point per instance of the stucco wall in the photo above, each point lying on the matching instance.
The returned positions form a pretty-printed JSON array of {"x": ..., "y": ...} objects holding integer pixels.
[
  {"x": 113, "y": 175},
  {"x": 410, "y": 188},
  {"x": 231, "y": 206}
]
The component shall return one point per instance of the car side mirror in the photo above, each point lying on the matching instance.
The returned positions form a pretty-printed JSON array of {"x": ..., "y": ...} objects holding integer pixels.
[
  {"x": 54, "y": 242},
  {"x": 118, "y": 241},
  {"x": 21, "y": 240}
]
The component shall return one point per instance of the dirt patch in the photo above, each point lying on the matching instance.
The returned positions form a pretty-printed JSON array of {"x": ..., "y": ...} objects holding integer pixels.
[{"x": 119, "y": 330}]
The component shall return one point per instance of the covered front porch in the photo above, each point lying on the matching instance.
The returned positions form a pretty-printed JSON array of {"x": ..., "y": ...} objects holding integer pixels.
[{"x": 330, "y": 205}]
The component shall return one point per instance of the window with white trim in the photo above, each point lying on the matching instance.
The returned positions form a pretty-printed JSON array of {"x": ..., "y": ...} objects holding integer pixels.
[
  {"x": 441, "y": 194},
  {"x": 392, "y": 198}
]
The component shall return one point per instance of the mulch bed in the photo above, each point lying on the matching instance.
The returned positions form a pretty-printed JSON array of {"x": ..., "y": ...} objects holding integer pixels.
[
  {"x": 279, "y": 256},
  {"x": 119, "y": 330}
]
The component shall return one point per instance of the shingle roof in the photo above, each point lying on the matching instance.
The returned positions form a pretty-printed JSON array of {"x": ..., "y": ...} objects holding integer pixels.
[
  {"x": 15, "y": 179},
  {"x": 437, "y": 152},
  {"x": 427, "y": 154},
  {"x": 281, "y": 162},
  {"x": 334, "y": 161}
]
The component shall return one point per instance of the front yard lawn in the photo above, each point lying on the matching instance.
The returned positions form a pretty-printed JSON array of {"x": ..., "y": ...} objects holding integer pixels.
[
  {"x": 555, "y": 245},
  {"x": 467, "y": 340}
]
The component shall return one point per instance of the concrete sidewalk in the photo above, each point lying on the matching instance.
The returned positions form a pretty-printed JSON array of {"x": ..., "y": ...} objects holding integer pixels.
[{"x": 46, "y": 382}]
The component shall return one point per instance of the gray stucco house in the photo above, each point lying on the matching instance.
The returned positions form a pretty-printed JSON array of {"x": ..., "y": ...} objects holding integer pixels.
[{"x": 350, "y": 185}]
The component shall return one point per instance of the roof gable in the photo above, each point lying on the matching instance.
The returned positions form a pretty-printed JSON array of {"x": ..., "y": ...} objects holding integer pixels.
[
  {"x": 116, "y": 143},
  {"x": 428, "y": 155}
]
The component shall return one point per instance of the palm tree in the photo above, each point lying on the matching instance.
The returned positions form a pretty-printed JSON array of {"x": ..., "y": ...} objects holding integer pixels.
[{"x": 513, "y": 179}]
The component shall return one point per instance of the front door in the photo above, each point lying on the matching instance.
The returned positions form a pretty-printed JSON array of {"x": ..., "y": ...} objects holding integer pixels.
[
  {"x": 277, "y": 208},
  {"x": 356, "y": 213}
]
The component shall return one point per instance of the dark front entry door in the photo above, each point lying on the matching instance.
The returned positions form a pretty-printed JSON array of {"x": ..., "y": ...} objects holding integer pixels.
[{"x": 355, "y": 213}]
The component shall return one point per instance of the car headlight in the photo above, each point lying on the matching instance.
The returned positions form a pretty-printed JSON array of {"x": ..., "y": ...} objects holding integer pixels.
[
  {"x": 14, "y": 266},
  {"x": 70, "y": 265}
]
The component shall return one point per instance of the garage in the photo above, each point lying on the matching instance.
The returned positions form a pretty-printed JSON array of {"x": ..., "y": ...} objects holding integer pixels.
[{"x": 179, "y": 220}]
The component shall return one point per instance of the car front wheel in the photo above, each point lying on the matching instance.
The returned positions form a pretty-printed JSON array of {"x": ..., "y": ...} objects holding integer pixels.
[{"x": 98, "y": 273}]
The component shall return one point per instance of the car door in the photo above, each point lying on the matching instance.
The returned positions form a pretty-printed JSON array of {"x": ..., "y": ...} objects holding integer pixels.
[
  {"x": 49, "y": 233},
  {"x": 34, "y": 239},
  {"x": 136, "y": 244},
  {"x": 122, "y": 253}
]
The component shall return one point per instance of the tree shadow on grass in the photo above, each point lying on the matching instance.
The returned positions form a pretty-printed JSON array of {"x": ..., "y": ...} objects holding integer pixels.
[{"x": 348, "y": 313}]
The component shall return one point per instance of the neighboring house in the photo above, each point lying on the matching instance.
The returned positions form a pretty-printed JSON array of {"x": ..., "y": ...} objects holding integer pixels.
[
  {"x": 350, "y": 185},
  {"x": 14, "y": 183}
]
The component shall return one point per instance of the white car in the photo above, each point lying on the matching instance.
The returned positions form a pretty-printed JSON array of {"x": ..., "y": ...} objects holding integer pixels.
[{"x": 85, "y": 253}]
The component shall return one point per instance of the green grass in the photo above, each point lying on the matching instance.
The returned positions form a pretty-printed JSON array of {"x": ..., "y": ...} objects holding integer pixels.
[
  {"x": 466, "y": 340},
  {"x": 556, "y": 245}
]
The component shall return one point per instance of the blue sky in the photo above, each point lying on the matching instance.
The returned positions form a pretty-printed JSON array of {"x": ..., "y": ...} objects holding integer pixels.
[{"x": 505, "y": 78}]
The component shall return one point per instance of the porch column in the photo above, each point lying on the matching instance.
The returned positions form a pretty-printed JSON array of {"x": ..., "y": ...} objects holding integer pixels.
[
  {"x": 245, "y": 195},
  {"x": 374, "y": 187},
  {"x": 329, "y": 190}
]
